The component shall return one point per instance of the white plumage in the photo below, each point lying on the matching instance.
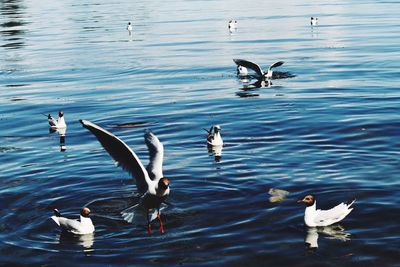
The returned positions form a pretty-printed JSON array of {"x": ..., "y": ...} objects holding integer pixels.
[
  {"x": 59, "y": 123},
  {"x": 80, "y": 227},
  {"x": 314, "y": 217},
  {"x": 214, "y": 136}
]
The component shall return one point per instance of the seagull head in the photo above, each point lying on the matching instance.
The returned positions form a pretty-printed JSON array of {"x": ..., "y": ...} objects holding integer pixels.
[
  {"x": 309, "y": 200},
  {"x": 217, "y": 128},
  {"x": 163, "y": 184},
  {"x": 85, "y": 212},
  {"x": 60, "y": 113}
]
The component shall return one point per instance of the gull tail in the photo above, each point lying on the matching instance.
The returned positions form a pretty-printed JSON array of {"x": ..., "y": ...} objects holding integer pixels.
[{"x": 55, "y": 217}]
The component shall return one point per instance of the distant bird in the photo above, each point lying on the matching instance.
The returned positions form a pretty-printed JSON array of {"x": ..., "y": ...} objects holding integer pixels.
[
  {"x": 314, "y": 21},
  {"x": 315, "y": 217},
  {"x": 232, "y": 25},
  {"x": 129, "y": 28},
  {"x": 150, "y": 182},
  {"x": 256, "y": 68},
  {"x": 214, "y": 136},
  {"x": 59, "y": 123},
  {"x": 80, "y": 227}
]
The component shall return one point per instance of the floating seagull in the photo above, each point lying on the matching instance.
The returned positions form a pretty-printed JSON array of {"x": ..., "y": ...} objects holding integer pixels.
[
  {"x": 129, "y": 28},
  {"x": 80, "y": 227},
  {"x": 315, "y": 217},
  {"x": 314, "y": 21},
  {"x": 150, "y": 182},
  {"x": 232, "y": 25},
  {"x": 59, "y": 123},
  {"x": 214, "y": 136},
  {"x": 253, "y": 66}
]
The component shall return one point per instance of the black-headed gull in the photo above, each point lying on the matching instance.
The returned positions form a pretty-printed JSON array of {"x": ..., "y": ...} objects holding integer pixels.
[
  {"x": 214, "y": 136},
  {"x": 314, "y": 217},
  {"x": 150, "y": 182},
  {"x": 267, "y": 74},
  {"x": 232, "y": 25},
  {"x": 59, "y": 123},
  {"x": 314, "y": 21},
  {"x": 80, "y": 227},
  {"x": 129, "y": 27}
]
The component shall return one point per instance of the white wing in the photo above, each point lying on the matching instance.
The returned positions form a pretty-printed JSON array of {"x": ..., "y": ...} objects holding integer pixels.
[
  {"x": 250, "y": 65},
  {"x": 333, "y": 215},
  {"x": 121, "y": 153},
  {"x": 156, "y": 153}
]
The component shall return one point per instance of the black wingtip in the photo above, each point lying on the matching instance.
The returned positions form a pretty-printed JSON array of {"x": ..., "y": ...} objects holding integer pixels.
[{"x": 57, "y": 213}]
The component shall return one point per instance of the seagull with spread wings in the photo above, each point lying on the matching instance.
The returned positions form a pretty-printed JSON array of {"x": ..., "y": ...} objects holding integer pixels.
[
  {"x": 265, "y": 75},
  {"x": 150, "y": 181}
]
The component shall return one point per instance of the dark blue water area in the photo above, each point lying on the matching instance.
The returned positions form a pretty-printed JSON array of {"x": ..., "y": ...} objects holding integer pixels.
[{"x": 329, "y": 126}]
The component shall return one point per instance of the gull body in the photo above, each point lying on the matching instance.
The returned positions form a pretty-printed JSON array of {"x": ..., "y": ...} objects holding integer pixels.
[
  {"x": 150, "y": 181},
  {"x": 80, "y": 227},
  {"x": 232, "y": 25},
  {"x": 214, "y": 136},
  {"x": 129, "y": 27},
  {"x": 264, "y": 75},
  {"x": 59, "y": 123},
  {"x": 314, "y": 217},
  {"x": 314, "y": 21}
]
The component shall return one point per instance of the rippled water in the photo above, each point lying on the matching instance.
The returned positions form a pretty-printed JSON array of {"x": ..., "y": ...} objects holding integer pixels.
[{"x": 332, "y": 130}]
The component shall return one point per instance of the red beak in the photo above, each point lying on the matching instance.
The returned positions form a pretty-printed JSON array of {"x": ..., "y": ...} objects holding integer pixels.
[{"x": 300, "y": 201}]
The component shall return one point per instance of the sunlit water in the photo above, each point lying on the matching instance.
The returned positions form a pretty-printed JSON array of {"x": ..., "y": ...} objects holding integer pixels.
[{"x": 332, "y": 130}]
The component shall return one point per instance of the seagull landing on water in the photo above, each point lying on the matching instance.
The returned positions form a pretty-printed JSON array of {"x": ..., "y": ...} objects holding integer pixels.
[
  {"x": 80, "y": 227},
  {"x": 59, "y": 123},
  {"x": 214, "y": 136},
  {"x": 315, "y": 217},
  {"x": 264, "y": 75},
  {"x": 314, "y": 21},
  {"x": 150, "y": 182}
]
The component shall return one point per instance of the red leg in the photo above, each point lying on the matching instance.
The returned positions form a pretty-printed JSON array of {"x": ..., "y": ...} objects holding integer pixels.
[
  {"x": 161, "y": 223},
  {"x": 149, "y": 229}
]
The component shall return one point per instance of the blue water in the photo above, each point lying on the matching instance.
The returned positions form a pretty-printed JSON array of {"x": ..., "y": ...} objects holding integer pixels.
[{"x": 332, "y": 130}]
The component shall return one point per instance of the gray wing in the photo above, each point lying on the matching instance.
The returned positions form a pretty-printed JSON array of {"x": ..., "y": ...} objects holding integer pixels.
[
  {"x": 121, "y": 153},
  {"x": 276, "y": 64},
  {"x": 249, "y": 65},
  {"x": 52, "y": 121},
  {"x": 156, "y": 153}
]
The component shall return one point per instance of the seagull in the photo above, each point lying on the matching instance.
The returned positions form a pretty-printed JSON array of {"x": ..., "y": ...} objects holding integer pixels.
[
  {"x": 129, "y": 28},
  {"x": 59, "y": 123},
  {"x": 253, "y": 66},
  {"x": 150, "y": 181},
  {"x": 315, "y": 217},
  {"x": 232, "y": 25},
  {"x": 80, "y": 227},
  {"x": 214, "y": 136},
  {"x": 314, "y": 21}
]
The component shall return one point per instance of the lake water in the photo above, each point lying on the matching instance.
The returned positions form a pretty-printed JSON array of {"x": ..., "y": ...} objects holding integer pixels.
[{"x": 332, "y": 130}]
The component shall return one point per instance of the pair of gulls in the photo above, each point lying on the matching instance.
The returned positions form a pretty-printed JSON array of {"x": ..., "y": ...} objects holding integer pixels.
[{"x": 154, "y": 187}]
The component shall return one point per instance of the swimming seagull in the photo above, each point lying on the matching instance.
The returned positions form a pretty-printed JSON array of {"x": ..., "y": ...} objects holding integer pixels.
[
  {"x": 150, "y": 182},
  {"x": 80, "y": 227},
  {"x": 253, "y": 66},
  {"x": 314, "y": 21},
  {"x": 214, "y": 136},
  {"x": 59, "y": 123},
  {"x": 232, "y": 25},
  {"x": 129, "y": 28},
  {"x": 315, "y": 217}
]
